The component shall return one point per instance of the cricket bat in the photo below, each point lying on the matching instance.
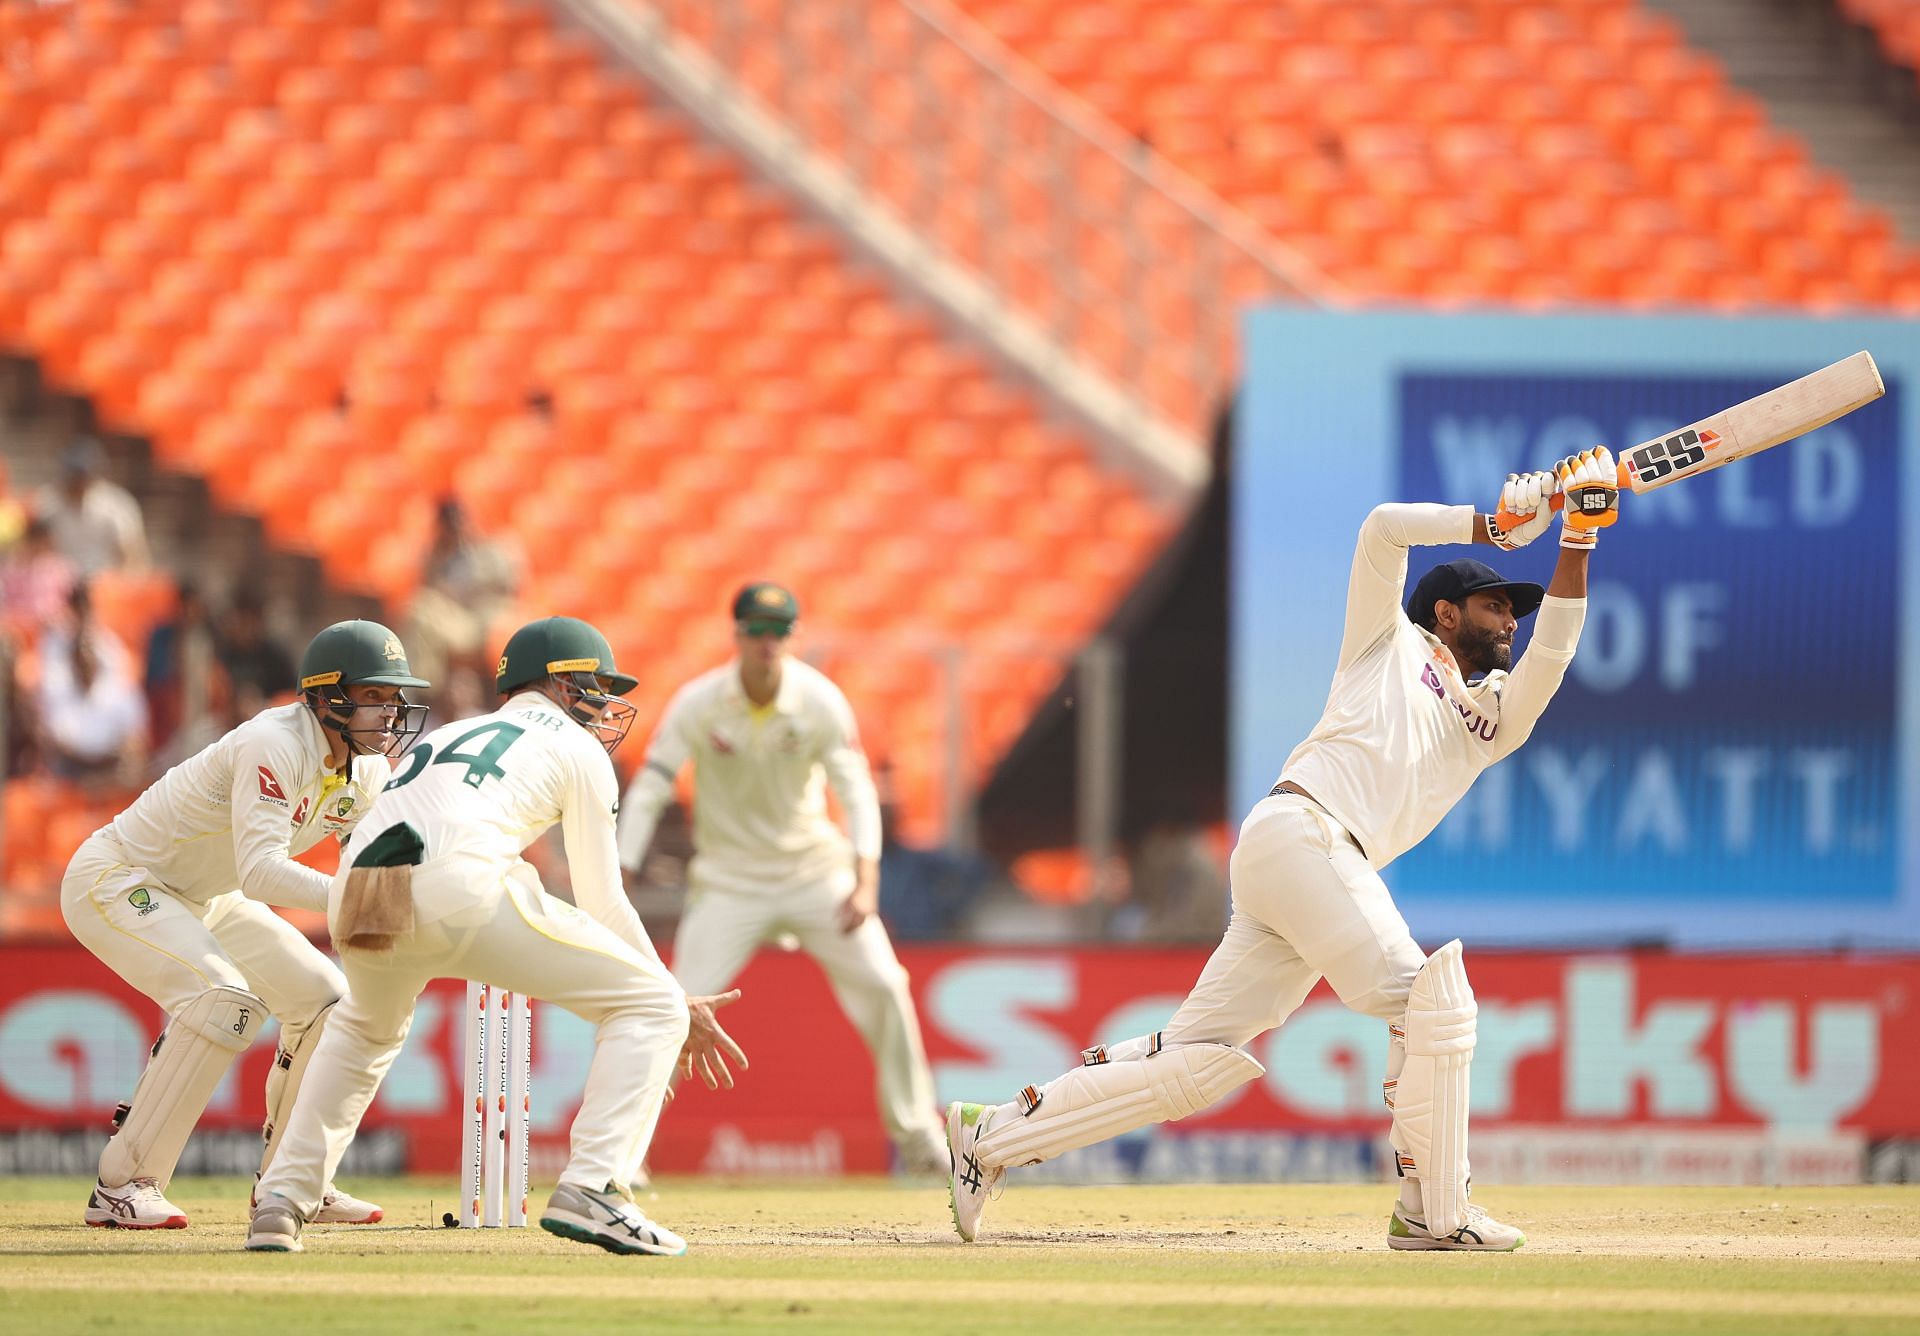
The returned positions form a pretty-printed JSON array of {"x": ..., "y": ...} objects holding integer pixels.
[{"x": 1762, "y": 422}]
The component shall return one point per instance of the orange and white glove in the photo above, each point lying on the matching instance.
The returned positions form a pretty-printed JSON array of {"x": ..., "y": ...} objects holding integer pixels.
[
  {"x": 1523, "y": 513},
  {"x": 1589, "y": 486}
]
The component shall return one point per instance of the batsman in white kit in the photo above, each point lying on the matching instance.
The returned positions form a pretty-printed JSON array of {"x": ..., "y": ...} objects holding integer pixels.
[
  {"x": 1422, "y": 701},
  {"x": 767, "y": 734},
  {"x": 435, "y": 886},
  {"x": 172, "y": 894}
]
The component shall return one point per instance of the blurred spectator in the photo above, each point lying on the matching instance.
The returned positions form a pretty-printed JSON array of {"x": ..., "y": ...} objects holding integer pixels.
[
  {"x": 467, "y": 582},
  {"x": 257, "y": 666},
  {"x": 925, "y": 894},
  {"x": 460, "y": 693},
  {"x": 92, "y": 717},
  {"x": 13, "y": 515},
  {"x": 96, "y": 523},
  {"x": 1179, "y": 888},
  {"x": 35, "y": 582},
  {"x": 183, "y": 671}
]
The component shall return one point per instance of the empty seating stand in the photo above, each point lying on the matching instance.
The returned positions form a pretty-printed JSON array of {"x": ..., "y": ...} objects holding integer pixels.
[{"x": 340, "y": 256}]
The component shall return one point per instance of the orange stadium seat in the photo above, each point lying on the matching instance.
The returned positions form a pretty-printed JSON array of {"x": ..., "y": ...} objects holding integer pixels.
[{"x": 461, "y": 255}]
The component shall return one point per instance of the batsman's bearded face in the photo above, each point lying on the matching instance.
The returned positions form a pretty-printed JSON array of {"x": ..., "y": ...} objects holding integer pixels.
[{"x": 1483, "y": 642}]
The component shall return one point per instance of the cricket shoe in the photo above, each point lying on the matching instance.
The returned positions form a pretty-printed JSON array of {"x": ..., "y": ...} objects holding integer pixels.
[
  {"x": 138, "y": 1204},
  {"x": 607, "y": 1219},
  {"x": 343, "y": 1208},
  {"x": 274, "y": 1226},
  {"x": 972, "y": 1185},
  {"x": 336, "y": 1207},
  {"x": 1481, "y": 1233}
]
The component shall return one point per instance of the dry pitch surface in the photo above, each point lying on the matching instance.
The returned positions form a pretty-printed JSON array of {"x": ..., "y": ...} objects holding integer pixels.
[{"x": 877, "y": 1258}]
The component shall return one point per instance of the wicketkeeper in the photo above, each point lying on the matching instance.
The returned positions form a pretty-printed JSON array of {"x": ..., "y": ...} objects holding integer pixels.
[{"x": 172, "y": 895}]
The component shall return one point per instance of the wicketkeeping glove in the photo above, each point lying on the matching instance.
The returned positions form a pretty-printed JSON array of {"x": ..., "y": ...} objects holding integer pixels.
[
  {"x": 1589, "y": 485},
  {"x": 1523, "y": 514}
]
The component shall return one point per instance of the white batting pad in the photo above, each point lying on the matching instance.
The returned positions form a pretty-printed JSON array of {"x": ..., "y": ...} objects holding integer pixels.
[
  {"x": 1101, "y": 1100},
  {"x": 1430, "y": 1101},
  {"x": 193, "y": 1054},
  {"x": 290, "y": 1063}
]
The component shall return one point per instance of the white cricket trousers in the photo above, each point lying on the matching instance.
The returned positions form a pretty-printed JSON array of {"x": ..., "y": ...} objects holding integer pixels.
[
  {"x": 174, "y": 949},
  {"x": 508, "y": 933},
  {"x": 721, "y": 930},
  {"x": 1305, "y": 904}
]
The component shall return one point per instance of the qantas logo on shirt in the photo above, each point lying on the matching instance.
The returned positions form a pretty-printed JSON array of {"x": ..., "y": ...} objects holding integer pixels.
[
  {"x": 300, "y": 812},
  {"x": 270, "y": 787},
  {"x": 718, "y": 741}
]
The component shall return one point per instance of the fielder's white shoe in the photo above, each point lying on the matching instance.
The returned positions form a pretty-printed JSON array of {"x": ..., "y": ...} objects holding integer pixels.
[
  {"x": 336, "y": 1207},
  {"x": 274, "y": 1226},
  {"x": 972, "y": 1186},
  {"x": 343, "y": 1208},
  {"x": 138, "y": 1204},
  {"x": 607, "y": 1219},
  {"x": 1481, "y": 1233}
]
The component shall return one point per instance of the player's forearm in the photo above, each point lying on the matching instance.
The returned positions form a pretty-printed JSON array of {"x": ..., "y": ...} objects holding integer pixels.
[
  {"x": 640, "y": 807},
  {"x": 1570, "y": 574},
  {"x": 281, "y": 881},
  {"x": 597, "y": 887},
  {"x": 1541, "y": 670},
  {"x": 853, "y": 785}
]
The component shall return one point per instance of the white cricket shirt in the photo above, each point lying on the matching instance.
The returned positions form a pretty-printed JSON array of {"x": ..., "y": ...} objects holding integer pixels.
[
  {"x": 1403, "y": 736},
  {"x": 759, "y": 782},
  {"x": 481, "y": 790},
  {"x": 234, "y": 814}
]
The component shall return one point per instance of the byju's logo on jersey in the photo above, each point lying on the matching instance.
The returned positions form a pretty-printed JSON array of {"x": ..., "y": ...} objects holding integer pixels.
[
  {"x": 142, "y": 901},
  {"x": 270, "y": 787}
]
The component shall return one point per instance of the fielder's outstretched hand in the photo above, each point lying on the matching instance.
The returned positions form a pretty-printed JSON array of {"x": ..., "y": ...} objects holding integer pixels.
[
  {"x": 708, "y": 1046},
  {"x": 1523, "y": 513},
  {"x": 1590, "y": 484}
]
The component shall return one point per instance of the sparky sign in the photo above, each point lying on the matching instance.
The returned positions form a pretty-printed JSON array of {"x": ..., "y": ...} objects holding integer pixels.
[{"x": 1629, "y": 1046}]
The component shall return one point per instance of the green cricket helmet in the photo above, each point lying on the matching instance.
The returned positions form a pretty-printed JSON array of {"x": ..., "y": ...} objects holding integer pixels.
[
  {"x": 362, "y": 654},
  {"x": 573, "y": 662}
]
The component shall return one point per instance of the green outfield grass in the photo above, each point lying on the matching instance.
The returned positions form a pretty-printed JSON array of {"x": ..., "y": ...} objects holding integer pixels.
[{"x": 872, "y": 1257}]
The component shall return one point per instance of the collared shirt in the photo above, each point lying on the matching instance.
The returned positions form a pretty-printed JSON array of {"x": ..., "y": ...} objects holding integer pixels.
[
  {"x": 1404, "y": 736},
  {"x": 233, "y": 815},
  {"x": 760, "y": 778}
]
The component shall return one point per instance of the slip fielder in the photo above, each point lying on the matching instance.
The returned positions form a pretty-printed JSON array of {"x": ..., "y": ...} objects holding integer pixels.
[
  {"x": 435, "y": 887},
  {"x": 172, "y": 894},
  {"x": 1407, "y": 729},
  {"x": 766, "y": 735}
]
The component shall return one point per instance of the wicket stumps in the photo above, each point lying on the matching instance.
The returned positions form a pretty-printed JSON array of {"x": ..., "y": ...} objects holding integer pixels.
[{"x": 499, "y": 1101}]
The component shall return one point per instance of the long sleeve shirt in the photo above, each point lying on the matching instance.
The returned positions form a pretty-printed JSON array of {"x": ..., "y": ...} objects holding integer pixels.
[
  {"x": 483, "y": 789},
  {"x": 759, "y": 783},
  {"x": 1403, "y": 735},
  {"x": 232, "y": 816}
]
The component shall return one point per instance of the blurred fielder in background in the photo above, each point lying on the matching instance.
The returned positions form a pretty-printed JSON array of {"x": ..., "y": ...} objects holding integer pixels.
[
  {"x": 436, "y": 887},
  {"x": 1421, "y": 703},
  {"x": 764, "y": 732},
  {"x": 173, "y": 895}
]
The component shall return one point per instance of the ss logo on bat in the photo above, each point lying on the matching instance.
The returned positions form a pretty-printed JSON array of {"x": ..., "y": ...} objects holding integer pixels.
[{"x": 1655, "y": 460}]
